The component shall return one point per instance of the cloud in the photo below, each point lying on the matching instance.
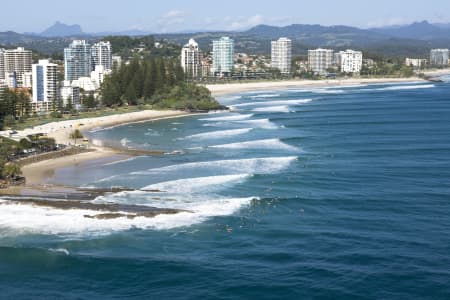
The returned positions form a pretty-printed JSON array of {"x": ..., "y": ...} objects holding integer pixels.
[
  {"x": 244, "y": 23},
  {"x": 172, "y": 17},
  {"x": 175, "y": 14}
]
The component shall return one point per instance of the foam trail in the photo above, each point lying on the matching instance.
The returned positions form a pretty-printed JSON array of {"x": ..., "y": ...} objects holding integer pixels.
[
  {"x": 122, "y": 161},
  {"x": 404, "y": 87},
  {"x": 219, "y": 134},
  {"x": 28, "y": 219},
  {"x": 328, "y": 91},
  {"x": 201, "y": 184},
  {"x": 265, "y": 96},
  {"x": 280, "y": 109},
  {"x": 259, "y": 144},
  {"x": 259, "y": 123},
  {"x": 273, "y": 103},
  {"x": 228, "y": 118},
  {"x": 267, "y": 165}
]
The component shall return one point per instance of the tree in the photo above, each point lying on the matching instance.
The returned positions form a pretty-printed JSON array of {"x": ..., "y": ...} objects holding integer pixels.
[
  {"x": 11, "y": 171},
  {"x": 25, "y": 144},
  {"x": 75, "y": 135}
]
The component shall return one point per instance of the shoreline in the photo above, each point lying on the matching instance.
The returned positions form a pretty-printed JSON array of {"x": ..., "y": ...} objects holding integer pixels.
[
  {"x": 38, "y": 173},
  {"x": 234, "y": 88}
]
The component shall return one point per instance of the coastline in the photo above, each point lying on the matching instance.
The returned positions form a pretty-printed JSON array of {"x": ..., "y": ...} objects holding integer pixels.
[
  {"x": 37, "y": 174},
  {"x": 234, "y": 88}
]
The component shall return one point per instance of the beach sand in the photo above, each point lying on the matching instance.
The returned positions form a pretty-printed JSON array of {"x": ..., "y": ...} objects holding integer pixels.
[
  {"x": 233, "y": 88},
  {"x": 37, "y": 174}
]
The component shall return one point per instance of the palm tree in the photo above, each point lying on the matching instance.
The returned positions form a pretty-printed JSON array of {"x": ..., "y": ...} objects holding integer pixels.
[{"x": 76, "y": 134}]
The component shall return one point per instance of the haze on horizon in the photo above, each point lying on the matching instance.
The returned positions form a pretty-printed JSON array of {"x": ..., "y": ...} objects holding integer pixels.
[{"x": 178, "y": 15}]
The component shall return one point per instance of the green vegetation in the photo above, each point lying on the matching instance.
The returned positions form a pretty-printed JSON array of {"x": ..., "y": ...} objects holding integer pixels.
[
  {"x": 11, "y": 171},
  {"x": 8, "y": 151},
  {"x": 155, "y": 81},
  {"x": 125, "y": 46},
  {"x": 11, "y": 150},
  {"x": 14, "y": 106},
  {"x": 76, "y": 135}
]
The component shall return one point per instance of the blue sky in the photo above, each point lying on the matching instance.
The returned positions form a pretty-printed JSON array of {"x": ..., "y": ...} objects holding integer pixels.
[{"x": 179, "y": 15}]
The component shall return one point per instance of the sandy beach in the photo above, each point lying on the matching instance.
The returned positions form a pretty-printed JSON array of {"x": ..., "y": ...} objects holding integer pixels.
[
  {"x": 233, "y": 88},
  {"x": 37, "y": 173}
]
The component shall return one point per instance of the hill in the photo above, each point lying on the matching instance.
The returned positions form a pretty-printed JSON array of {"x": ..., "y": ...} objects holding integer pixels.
[{"x": 62, "y": 30}]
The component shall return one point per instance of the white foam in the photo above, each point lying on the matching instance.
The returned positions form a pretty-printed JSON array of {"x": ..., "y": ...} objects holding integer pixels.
[
  {"x": 124, "y": 142},
  {"x": 201, "y": 184},
  {"x": 121, "y": 161},
  {"x": 20, "y": 219},
  {"x": 276, "y": 109},
  {"x": 404, "y": 87},
  {"x": 328, "y": 91},
  {"x": 60, "y": 250},
  {"x": 265, "y": 96},
  {"x": 273, "y": 103},
  {"x": 228, "y": 118},
  {"x": 259, "y": 144},
  {"x": 266, "y": 165},
  {"x": 219, "y": 134},
  {"x": 259, "y": 123}
]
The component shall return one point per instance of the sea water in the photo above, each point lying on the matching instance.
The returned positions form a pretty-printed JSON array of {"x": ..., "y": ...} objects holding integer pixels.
[{"x": 331, "y": 193}]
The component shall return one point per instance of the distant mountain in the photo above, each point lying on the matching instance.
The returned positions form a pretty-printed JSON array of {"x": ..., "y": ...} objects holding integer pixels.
[
  {"x": 418, "y": 30},
  {"x": 332, "y": 36},
  {"x": 397, "y": 41},
  {"x": 14, "y": 38},
  {"x": 62, "y": 30},
  {"x": 442, "y": 25}
]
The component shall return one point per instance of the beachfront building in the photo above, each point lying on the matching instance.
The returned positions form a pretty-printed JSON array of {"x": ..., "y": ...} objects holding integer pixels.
[
  {"x": 320, "y": 60},
  {"x": 85, "y": 83},
  {"x": 2, "y": 64},
  {"x": 190, "y": 59},
  {"x": 70, "y": 95},
  {"x": 16, "y": 63},
  {"x": 28, "y": 80},
  {"x": 77, "y": 59},
  {"x": 98, "y": 75},
  {"x": 11, "y": 80},
  {"x": 3, "y": 87},
  {"x": 223, "y": 57},
  {"x": 439, "y": 57},
  {"x": 45, "y": 87},
  {"x": 349, "y": 61},
  {"x": 282, "y": 55},
  {"x": 102, "y": 55},
  {"x": 416, "y": 63}
]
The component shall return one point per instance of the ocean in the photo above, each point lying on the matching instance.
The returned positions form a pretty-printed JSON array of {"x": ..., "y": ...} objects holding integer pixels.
[{"x": 330, "y": 193}]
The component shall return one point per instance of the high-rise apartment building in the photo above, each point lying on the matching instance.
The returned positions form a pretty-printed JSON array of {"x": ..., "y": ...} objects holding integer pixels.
[
  {"x": 102, "y": 55},
  {"x": 439, "y": 57},
  {"x": 77, "y": 59},
  {"x": 2, "y": 64},
  {"x": 282, "y": 55},
  {"x": 223, "y": 56},
  {"x": 70, "y": 95},
  {"x": 320, "y": 60},
  {"x": 17, "y": 62},
  {"x": 45, "y": 87},
  {"x": 190, "y": 59},
  {"x": 349, "y": 61}
]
